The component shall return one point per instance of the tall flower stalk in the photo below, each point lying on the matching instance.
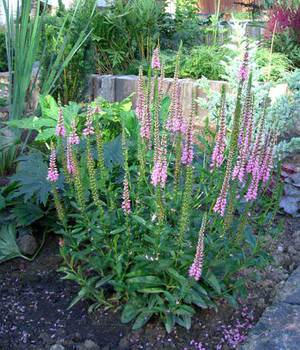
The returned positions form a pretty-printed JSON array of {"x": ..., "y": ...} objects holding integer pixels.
[
  {"x": 195, "y": 270},
  {"x": 186, "y": 205},
  {"x": 220, "y": 145},
  {"x": 221, "y": 202},
  {"x": 52, "y": 177},
  {"x": 245, "y": 136}
]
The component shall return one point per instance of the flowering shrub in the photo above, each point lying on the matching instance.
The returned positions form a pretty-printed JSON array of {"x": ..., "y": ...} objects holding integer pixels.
[{"x": 170, "y": 229}]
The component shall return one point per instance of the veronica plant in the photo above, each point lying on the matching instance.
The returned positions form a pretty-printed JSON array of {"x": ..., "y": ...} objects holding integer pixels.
[{"x": 170, "y": 228}]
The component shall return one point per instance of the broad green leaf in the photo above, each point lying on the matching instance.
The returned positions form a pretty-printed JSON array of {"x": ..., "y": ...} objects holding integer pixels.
[
  {"x": 8, "y": 245},
  {"x": 130, "y": 311},
  {"x": 103, "y": 281},
  {"x": 26, "y": 213},
  {"x": 142, "y": 319},
  {"x": 45, "y": 134},
  {"x": 169, "y": 322},
  {"x": 212, "y": 280}
]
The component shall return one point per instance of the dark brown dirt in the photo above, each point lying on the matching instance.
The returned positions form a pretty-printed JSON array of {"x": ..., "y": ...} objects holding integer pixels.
[{"x": 34, "y": 312}]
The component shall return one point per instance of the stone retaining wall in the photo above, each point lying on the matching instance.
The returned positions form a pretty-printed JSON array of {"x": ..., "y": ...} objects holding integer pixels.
[{"x": 115, "y": 88}]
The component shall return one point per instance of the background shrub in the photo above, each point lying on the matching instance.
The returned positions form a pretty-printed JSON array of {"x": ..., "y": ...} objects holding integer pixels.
[{"x": 3, "y": 58}]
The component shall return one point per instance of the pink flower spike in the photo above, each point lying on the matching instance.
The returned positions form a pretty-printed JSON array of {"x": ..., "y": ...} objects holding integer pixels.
[
  {"x": 89, "y": 129},
  {"x": 220, "y": 205},
  {"x": 243, "y": 73},
  {"x": 60, "y": 128},
  {"x": 126, "y": 205},
  {"x": 159, "y": 173},
  {"x": 70, "y": 164},
  {"x": 195, "y": 270},
  {"x": 155, "y": 59},
  {"x": 52, "y": 170},
  {"x": 73, "y": 137}
]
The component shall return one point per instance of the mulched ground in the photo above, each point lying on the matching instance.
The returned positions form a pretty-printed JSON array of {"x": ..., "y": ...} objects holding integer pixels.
[{"x": 34, "y": 312}]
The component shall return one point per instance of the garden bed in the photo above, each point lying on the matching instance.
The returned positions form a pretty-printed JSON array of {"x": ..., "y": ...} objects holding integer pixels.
[{"x": 35, "y": 315}]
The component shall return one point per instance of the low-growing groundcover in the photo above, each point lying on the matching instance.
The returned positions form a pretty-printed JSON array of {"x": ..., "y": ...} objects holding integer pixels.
[{"x": 171, "y": 228}]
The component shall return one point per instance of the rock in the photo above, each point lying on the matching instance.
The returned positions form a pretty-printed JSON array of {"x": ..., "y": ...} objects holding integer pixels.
[
  {"x": 280, "y": 249},
  {"x": 46, "y": 338},
  {"x": 27, "y": 244},
  {"x": 124, "y": 344},
  {"x": 57, "y": 347},
  {"x": 106, "y": 347},
  {"x": 91, "y": 345}
]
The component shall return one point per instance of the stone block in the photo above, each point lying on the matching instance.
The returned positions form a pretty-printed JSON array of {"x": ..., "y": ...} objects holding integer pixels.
[
  {"x": 125, "y": 86},
  {"x": 102, "y": 86}
]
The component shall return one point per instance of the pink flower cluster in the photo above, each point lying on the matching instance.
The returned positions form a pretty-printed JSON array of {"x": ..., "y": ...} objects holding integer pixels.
[
  {"x": 60, "y": 127},
  {"x": 220, "y": 145},
  {"x": 188, "y": 147},
  {"x": 246, "y": 137},
  {"x": 126, "y": 205},
  {"x": 52, "y": 170},
  {"x": 195, "y": 270},
  {"x": 155, "y": 64},
  {"x": 243, "y": 72},
  {"x": 89, "y": 129},
  {"x": 73, "y": 138},
  {"x": 70, "y": 163},
  {"x": 159, "y": 173},
  {"x": 140, "y": 102},
  {"x": 176, "y": 122}
]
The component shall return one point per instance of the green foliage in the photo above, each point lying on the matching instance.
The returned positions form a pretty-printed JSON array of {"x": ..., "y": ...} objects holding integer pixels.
[
  {"x": 141, "y": 258},
  {"x": 22, "y": 36},
  {"x": 204, "y": 61},
  {"x": 31, "y": 176},
  {"x": 287, "y": 43},
  {"x": 8, "y": 245},
  {"x": 279, "y": 64},
  {"x": 66, "y": 51},
  {"x": 3, "y": 56},
  {"x": 125, "y": 32},
  {"x": 285, "y": 113}
]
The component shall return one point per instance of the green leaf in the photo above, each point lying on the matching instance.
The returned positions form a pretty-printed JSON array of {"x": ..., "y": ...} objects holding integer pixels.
[
  {"x": 169, "y": 322},
  {"x": 145, "y": 280},
  {"x": 184, "y": 321},
  {"x": 81, "y": 295},
  {"x": 8, "y": 245},
  {"x": 45, "y": 135},
  {"x": 250, "y": 237},
  {"x": 141, "y": 221},
  {"x": 151, "y": 290},
  {"x": 31, "y": 176},
  {"x": 130, "y": 311},
  {"x": 26, "y": 214},
  {"x": 142, "y": 319},
  {"x": 2, "y": 202},
  {"x": 113, "y": 154},
  {"x": 103, "y": 281},
  {"x": 197, "y": 299},
  {"x": 212, "y": 280}
]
